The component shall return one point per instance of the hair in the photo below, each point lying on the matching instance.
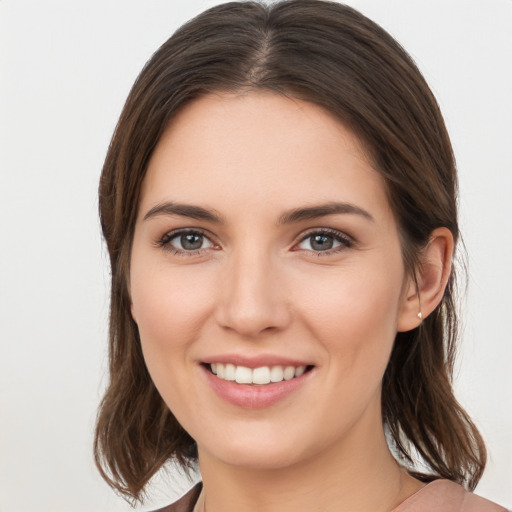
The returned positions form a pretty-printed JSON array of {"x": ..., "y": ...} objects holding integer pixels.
[{"x": 333, "y": 56}]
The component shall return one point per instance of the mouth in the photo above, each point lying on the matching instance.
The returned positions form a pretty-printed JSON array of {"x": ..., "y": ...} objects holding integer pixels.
[
  {"x": 260, "y": 376},
  {"x": 258, "y": 382}
]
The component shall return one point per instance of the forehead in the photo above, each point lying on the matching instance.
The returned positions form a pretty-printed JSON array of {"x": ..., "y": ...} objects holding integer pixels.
[{"x": 260, "y": 148}]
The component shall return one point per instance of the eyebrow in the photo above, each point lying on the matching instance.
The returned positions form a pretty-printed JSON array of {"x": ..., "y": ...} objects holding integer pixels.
[
  {"x": 184, "y": 210},
  {"x": 314, "y": 212},
  {"x": 290, "y": 217}
]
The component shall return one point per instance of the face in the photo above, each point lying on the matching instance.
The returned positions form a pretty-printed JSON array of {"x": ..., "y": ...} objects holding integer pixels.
[{"x": 265, "y": 251}]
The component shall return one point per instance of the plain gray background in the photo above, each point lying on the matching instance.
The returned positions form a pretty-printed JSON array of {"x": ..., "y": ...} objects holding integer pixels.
[{"x": 65, "y": 70}]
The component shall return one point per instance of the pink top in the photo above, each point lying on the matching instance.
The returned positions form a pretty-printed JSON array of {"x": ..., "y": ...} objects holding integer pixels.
[
  {"x": 446, "y": 496},
  {"x": 437, "y": 496}
]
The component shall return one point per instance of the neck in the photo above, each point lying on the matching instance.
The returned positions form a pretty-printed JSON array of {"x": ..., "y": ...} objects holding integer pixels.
[{"x": 359, "y": 475}]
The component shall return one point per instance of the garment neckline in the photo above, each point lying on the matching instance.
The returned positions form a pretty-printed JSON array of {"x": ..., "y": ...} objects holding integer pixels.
[
  {"x": 198, "y": 488},
  {"x": 428, "y": 486}
]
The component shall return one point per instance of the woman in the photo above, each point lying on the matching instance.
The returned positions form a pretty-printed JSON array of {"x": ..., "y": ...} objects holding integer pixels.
[{"x": 279, "y": 206}]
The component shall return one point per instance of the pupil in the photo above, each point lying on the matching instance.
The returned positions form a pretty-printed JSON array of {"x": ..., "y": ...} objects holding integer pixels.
[
  {"x": 322, "y": 243},
  {"x": 191, "y": 241}
]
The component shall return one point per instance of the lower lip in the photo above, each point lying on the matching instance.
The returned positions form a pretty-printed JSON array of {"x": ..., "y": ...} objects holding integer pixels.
[{"x": 254, "y": 396}]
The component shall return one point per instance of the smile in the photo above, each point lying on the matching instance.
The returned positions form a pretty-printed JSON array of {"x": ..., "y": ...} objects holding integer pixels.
[
  {"x": 255, "y": 383},
  {"x": 261, "y": 375}
]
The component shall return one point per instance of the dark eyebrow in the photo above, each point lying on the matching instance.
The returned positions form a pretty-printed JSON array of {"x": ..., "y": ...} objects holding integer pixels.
[
  {"x": 313, "y": 212},
  {"x": 295, "y": 215},
  {"x": 184, "y": 210}
]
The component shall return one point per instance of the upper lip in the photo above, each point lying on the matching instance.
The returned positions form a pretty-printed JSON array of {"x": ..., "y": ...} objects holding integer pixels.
[{"x": 255, "y": 361}]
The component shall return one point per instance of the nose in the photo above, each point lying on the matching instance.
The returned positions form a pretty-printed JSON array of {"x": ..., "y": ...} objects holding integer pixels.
[{"x": 253, "y": 298}]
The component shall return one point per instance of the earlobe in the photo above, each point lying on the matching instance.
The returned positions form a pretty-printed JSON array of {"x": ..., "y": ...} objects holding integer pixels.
[{"x": 426, "y": 292}]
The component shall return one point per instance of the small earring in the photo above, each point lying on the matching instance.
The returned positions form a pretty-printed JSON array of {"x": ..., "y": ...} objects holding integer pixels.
[{"x": 420, "y": 315}]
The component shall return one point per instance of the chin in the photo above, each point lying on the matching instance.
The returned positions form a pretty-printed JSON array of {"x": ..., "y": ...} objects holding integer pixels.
[
  {"x": 256, "y": 457},
  {"x": 259, "y": 451}
]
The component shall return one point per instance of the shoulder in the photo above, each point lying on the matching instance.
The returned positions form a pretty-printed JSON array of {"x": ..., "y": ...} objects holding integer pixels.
[
  {"x": 437, "y": 496},
  {"x": 447, "y": 496},
  {"x": 185, "y": 503}
]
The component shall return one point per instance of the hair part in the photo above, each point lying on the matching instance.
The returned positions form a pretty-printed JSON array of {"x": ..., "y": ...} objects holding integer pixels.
[{"x": 331, "y": 55}]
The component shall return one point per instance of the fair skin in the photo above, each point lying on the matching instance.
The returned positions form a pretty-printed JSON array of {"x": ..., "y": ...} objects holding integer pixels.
[{"x": 260, "y": 279}]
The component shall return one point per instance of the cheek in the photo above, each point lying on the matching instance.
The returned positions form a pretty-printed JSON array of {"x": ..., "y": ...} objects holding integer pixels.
[
  {"x": 169, "y": 305},
  {"x": 354, "y": 312},
  {"x": 169, "y": 308}
]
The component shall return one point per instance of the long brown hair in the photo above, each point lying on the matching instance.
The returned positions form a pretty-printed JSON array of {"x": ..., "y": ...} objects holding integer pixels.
[{"x": 335, "y": 57}]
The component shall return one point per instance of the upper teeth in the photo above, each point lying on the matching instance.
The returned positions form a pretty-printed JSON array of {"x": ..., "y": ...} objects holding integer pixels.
[{"x": 261, "y": 375}]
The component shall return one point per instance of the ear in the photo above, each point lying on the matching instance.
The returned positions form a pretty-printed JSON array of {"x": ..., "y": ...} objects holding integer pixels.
[{"x": 425, "y": 294}]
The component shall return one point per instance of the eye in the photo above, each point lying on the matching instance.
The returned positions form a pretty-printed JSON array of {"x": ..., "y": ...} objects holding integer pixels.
[
  {"x": 325, "y": 241},
  {"x": 186, "y": 241}
]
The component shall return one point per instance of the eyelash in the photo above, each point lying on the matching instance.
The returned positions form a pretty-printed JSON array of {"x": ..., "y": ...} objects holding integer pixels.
[
  {"x": 165, "y": 242},
  {"x": 345, "y": 241}
]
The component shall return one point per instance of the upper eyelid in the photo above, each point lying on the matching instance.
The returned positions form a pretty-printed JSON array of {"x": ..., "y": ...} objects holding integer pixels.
[
  {"x": 303, "y": 233},
  {"x": 166, "y": 239},
  {"x": 346, "y": 241},
  {"x": 170, "y": 235},
  {"x": 165, "y": 242},
  {"x": 326, "y": 231},
  {"x": 175, "y": 232}
]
